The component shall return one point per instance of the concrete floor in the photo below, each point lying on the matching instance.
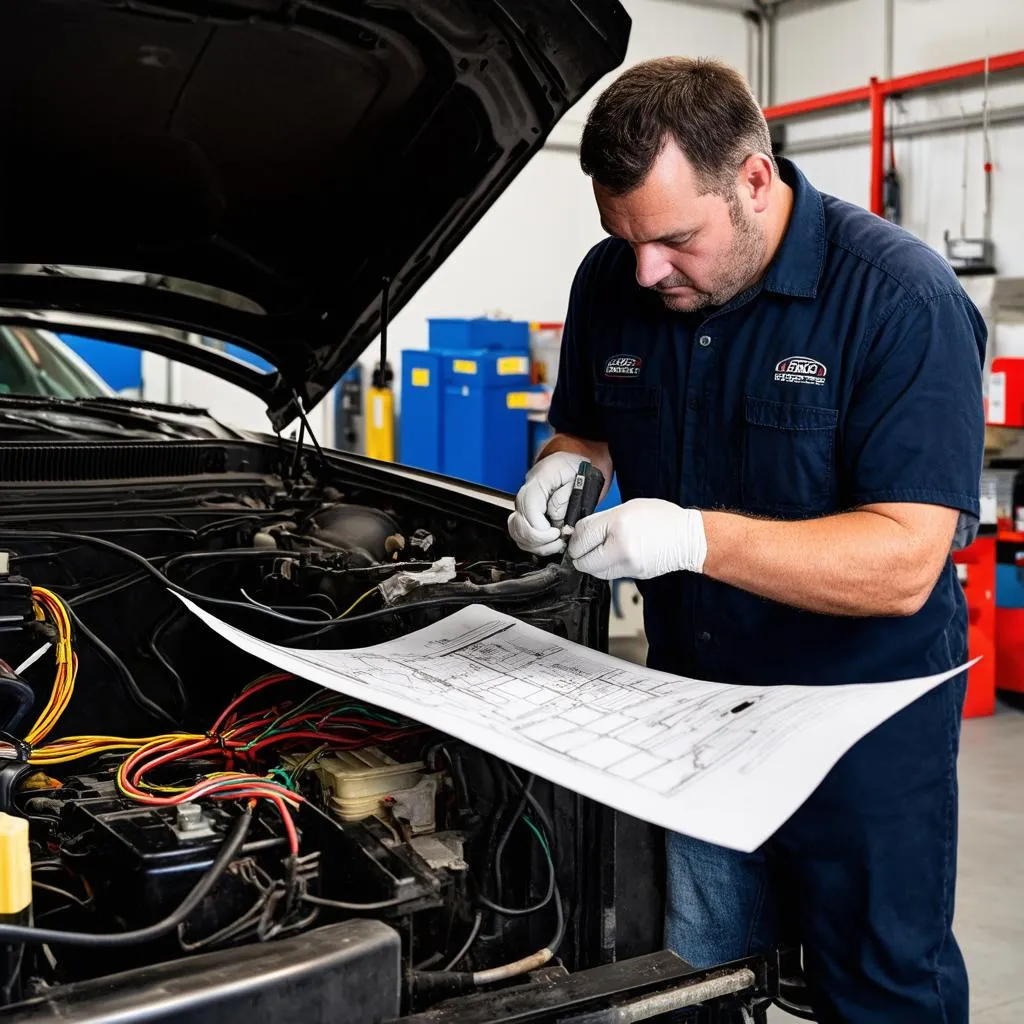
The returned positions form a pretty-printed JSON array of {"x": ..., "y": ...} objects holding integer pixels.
[{"x": 990, "y": 895}]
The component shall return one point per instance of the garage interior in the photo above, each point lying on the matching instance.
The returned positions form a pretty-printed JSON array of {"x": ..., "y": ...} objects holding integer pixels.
[{"x": 912, "y": 109}]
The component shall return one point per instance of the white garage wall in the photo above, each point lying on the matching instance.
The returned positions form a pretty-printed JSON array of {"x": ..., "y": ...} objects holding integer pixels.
[
  {"x": 521, "y": 258},
  {"x": 842, "y": 43}
]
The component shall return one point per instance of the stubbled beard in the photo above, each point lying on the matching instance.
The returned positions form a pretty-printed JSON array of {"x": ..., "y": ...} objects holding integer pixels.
[{"x": 740, "y": 267}]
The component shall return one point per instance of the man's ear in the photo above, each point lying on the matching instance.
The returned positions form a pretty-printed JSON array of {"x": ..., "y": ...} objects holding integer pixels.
[{"x": 755, "y": 178}]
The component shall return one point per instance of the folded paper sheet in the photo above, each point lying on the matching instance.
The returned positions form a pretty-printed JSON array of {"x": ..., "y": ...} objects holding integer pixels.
[{"x": 728, "y": 764}]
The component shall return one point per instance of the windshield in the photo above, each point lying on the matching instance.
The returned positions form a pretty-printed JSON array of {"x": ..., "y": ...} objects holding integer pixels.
[{"x": 34, "y": 362}]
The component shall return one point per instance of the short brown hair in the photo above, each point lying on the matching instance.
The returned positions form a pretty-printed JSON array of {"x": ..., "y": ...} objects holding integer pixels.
[{"x": 704, "y": 105}]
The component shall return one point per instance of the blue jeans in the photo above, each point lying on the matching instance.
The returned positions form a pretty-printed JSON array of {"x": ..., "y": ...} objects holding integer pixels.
[{"x": 862, "y": 876}]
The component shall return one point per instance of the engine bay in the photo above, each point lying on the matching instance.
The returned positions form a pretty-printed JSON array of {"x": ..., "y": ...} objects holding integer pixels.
[{"x": 180, "y": 800}]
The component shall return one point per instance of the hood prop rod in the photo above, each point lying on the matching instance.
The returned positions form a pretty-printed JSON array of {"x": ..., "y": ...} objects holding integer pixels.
[
  {"x": 380, "y": 373},
  {"x": 307, "y": 428}
]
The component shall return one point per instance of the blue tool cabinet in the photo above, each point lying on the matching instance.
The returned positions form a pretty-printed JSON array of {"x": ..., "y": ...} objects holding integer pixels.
[{"x": 422, "y": 410}]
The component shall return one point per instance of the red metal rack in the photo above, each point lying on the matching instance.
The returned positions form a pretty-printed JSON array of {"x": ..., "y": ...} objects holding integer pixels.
[{"x": 875, "y": 93}]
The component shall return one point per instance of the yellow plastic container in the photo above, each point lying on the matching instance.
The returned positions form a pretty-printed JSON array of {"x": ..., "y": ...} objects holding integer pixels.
[{"x": 15, "y": 865}]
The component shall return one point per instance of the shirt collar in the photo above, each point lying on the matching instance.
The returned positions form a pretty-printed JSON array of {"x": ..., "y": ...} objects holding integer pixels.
[{"x": 797, "y": 265}]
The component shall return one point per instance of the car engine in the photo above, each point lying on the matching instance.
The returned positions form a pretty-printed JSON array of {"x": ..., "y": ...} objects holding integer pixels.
[{"x": 182, "y": 800}]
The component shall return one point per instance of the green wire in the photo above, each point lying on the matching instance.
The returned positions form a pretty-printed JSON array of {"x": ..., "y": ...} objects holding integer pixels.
[
  {"x": 371, "y": 714},
  {"x": 282, "y": 774},
  {"x": 311, "y": 702},
  {"x": 540, "y": 835}
]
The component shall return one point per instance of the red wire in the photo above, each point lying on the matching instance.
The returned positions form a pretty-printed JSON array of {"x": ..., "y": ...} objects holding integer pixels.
[
  {"x": 320, "y": 737},
  {"x": 286, "y": 816},
  {"x": 261, "y": 684},
  {"x": 231, "y": 736},
  {"x": 198, "y": 747}
]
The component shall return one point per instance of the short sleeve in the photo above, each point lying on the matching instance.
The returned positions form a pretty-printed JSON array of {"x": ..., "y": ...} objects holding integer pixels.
[
  {"x": 573, "y": 409},
  {"x": 915, "y": 429}
]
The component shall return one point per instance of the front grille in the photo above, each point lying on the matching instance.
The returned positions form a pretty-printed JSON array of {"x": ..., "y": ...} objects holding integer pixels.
[{"x": 56, "y": 463}]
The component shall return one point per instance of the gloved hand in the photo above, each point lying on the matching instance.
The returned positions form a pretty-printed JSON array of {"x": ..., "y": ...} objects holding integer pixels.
[
  {"x": 541, "y": 503},
  {"x": 639, "y": 539}
]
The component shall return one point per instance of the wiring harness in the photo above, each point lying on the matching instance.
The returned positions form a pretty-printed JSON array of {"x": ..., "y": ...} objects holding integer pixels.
[
  {"x": 50, "y": 609},
  {"x": 257, "y": 750},
  {"x": 240, "y": 739}
]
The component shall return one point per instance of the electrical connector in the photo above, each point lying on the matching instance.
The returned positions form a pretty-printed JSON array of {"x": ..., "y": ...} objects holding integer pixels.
[{"x": 15, "y": 598}]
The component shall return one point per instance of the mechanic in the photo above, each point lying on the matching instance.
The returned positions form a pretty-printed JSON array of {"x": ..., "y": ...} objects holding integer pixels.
[{"x": 789, "y": 390}]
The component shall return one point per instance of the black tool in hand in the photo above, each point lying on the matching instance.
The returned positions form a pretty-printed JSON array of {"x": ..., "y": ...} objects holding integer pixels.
[{"x": 586, "y": 493}]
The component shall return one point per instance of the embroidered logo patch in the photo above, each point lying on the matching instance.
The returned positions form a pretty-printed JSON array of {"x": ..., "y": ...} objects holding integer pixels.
[
  {"x": 800, "y": 370},
  {"x": 619, "y": 367}
]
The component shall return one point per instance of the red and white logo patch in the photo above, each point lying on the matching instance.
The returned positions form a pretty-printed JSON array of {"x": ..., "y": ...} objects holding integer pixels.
[{"x": 800, "y": 370}]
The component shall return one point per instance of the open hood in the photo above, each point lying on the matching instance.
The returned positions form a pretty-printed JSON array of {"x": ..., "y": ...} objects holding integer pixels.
[{"x": 255, "y": 170}]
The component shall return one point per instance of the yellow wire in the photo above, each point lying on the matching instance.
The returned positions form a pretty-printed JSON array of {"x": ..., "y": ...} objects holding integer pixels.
[
  {"x": 356, "y": 603},
  {"x": 70, "y": 748},
  {"x": 46, "y": 604}
]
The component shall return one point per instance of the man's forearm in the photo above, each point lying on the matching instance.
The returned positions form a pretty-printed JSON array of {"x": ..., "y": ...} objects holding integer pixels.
[
  {"x": 595, "y": 451},
  {"x": 858, "y": 563}
]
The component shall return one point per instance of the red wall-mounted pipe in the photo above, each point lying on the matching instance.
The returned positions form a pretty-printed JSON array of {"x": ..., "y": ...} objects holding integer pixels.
[
  {"x": 875, "y": 95},
  {"x": 953, "y": 73},
  {"x": 877, "y": 146},
  {"x": 817, "y": 104}
]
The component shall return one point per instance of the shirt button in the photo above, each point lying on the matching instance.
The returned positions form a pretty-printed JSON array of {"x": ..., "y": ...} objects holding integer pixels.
[
  {"x": 704, "y": 636},
  {"x": 705, "y": 340}
]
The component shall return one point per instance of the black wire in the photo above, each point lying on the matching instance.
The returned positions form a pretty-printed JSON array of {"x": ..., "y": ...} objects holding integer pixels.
[
  {"x": 455, "y": 600},
  {"x": 178, "y": 531},
  {"x": 221, "y": 602},
  {"x": 227, "y": 852},
  {"x": 552, "y": 880},
  {"x": 316, "y": 612},
  {"x": 524, "y": 911},
  {"x": 499, "y": 849},
  {"x": 7, "y": 991},
  {"x": 265, "y": 553},
  {"x": 559, "y": 935},
  {"x": 542, "y": 815},
  {"x": 145, "y": 564},
  {"x": 107, "y": 589},
  {"x": 62, "y": 892},
  {"x": 465, "y": 948},
  {"x": 320, "y": 901},
  {"x": 501, "y": 786},
  {"x": 179, "y": 684},
  {"x": 136, "y": 694},
  {"x": 241, "y": 520}
]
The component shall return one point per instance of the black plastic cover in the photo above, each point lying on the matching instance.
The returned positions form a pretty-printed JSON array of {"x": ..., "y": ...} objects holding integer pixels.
[{"x": 346, "y": 973}]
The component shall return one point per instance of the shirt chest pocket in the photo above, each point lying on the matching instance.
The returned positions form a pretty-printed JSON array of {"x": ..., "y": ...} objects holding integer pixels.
[
  {"x": 631, "y": 418},
  {"x": 788, "y": 458}
]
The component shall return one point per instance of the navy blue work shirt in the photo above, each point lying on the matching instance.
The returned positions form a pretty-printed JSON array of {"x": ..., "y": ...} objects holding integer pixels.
[{"x": 849, "y": 374}]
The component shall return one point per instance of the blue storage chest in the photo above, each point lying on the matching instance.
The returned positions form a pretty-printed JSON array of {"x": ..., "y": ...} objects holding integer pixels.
[
  {"x": 481, "y": 333},
  {"x": 484, "y": 421},
  {"x": 421, "y": 420}
]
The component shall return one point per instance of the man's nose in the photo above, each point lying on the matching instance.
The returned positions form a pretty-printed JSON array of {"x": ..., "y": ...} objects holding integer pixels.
[{"x": 652, "y": 266}]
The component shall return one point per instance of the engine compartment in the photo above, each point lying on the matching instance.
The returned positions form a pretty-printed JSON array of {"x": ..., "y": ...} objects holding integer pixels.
[{"x": 150, "y": 747}]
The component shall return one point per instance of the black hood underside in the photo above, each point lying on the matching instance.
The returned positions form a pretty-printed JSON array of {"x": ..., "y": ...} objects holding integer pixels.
[{"x": 264, "y": 166}]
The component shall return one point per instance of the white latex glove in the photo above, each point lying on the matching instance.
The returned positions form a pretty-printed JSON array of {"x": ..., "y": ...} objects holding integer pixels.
[
  {"x": 541, "y": 503},
  {"x": 639, "y": 539}
]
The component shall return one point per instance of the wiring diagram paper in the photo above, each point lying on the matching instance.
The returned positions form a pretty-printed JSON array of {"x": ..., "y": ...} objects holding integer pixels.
[{"x": 727, "y": 764}]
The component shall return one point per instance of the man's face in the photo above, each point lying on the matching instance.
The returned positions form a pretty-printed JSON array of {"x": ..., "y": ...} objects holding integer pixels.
[{"x": 694, "y": 250}]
